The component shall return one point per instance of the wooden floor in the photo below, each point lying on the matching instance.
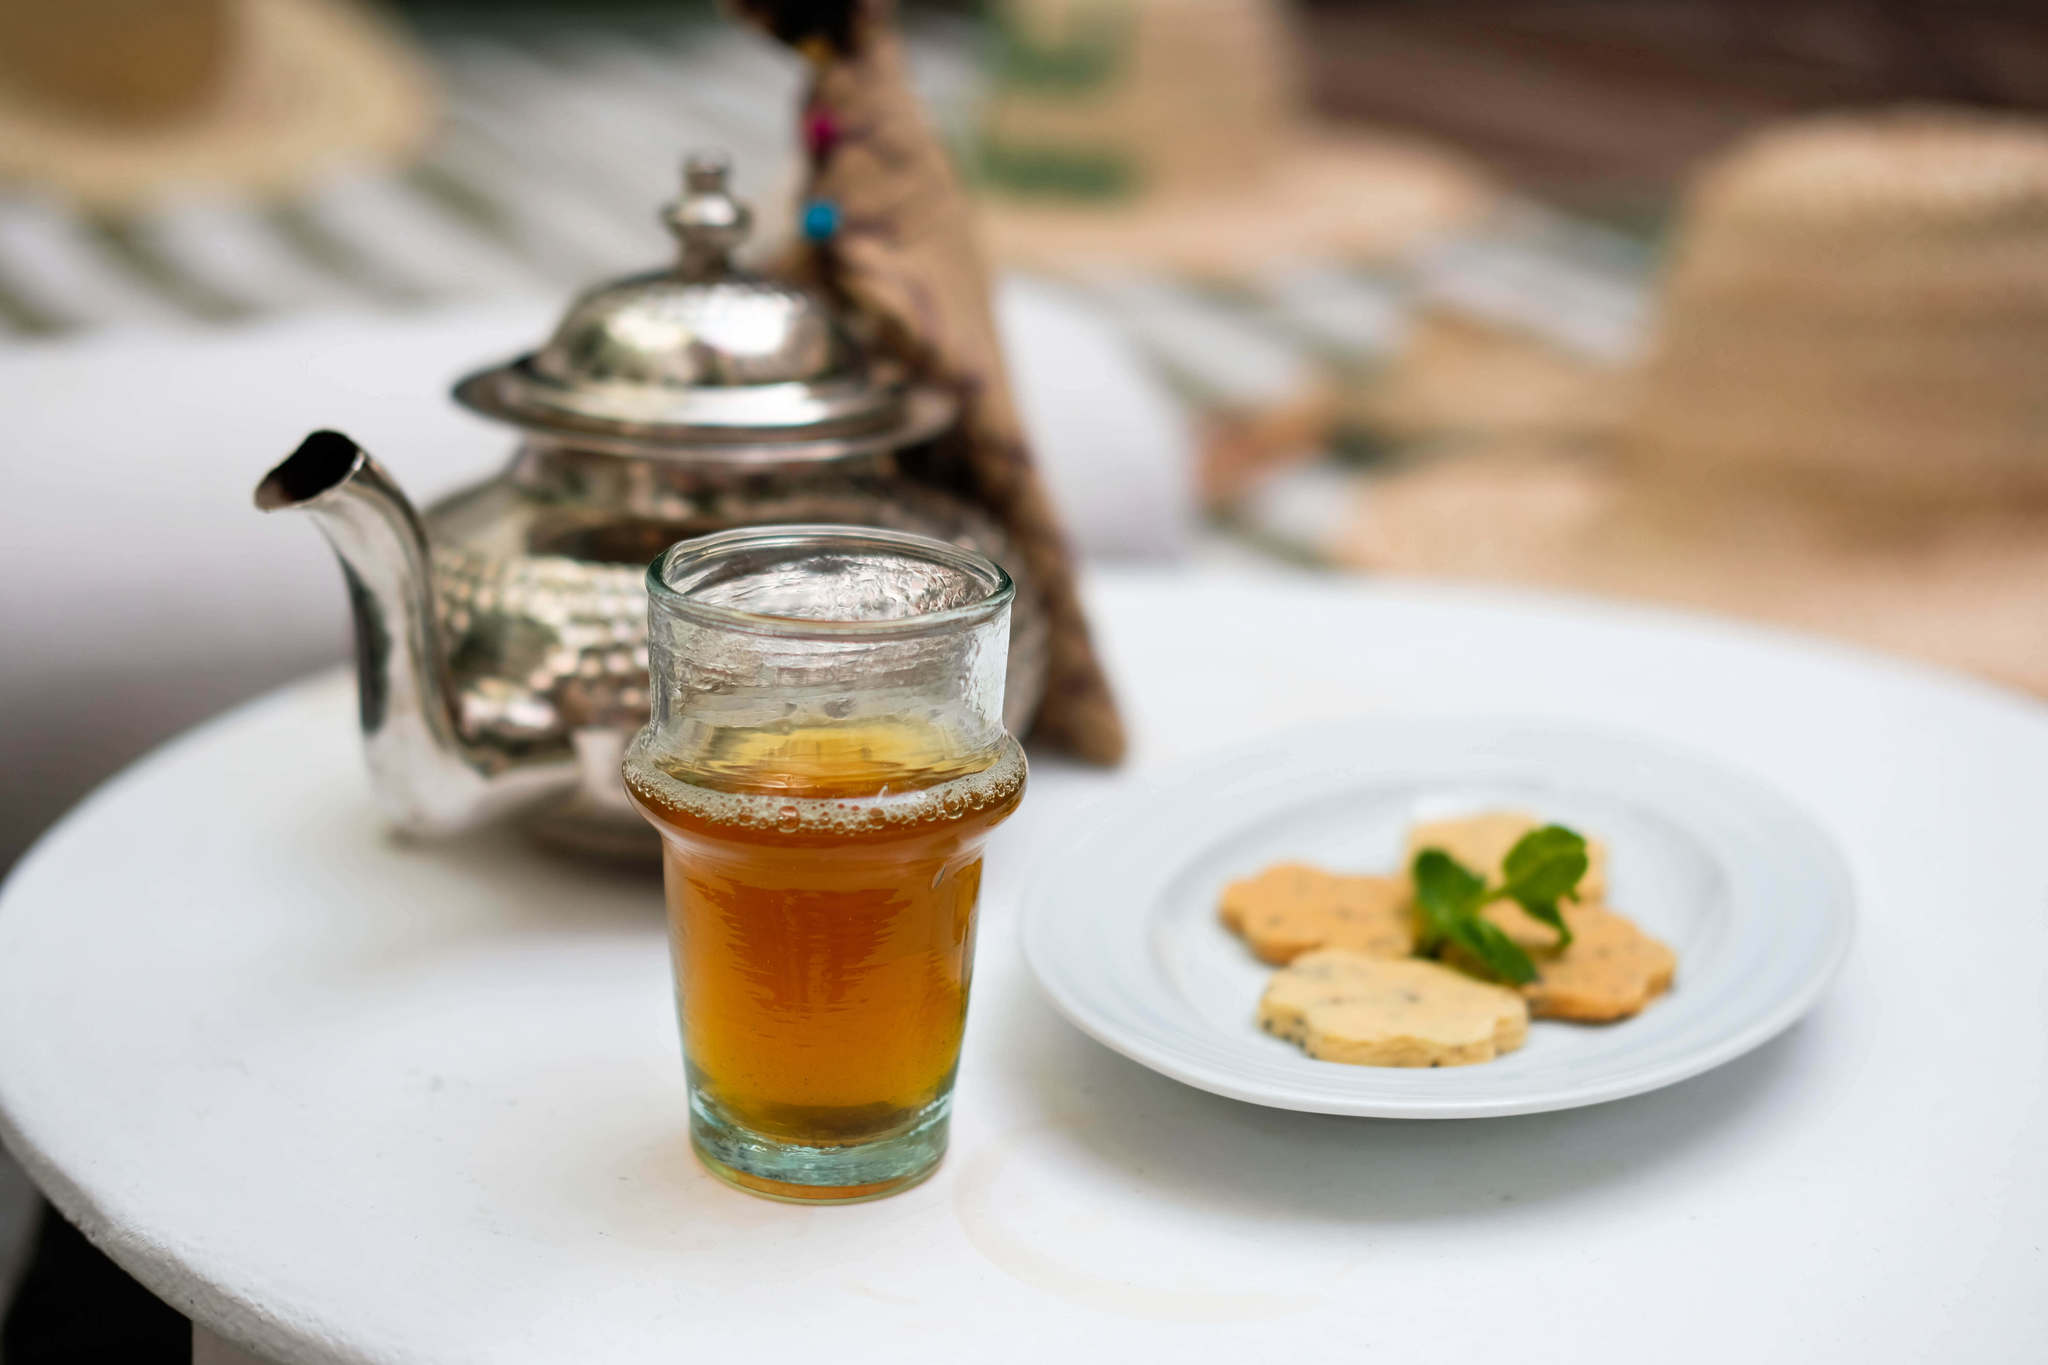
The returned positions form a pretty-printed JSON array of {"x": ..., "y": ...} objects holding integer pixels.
[{"x": 17, "y": 1216}]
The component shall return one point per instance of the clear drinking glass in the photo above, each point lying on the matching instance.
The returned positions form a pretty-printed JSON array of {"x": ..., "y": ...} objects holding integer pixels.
[{"x": 824, "y": 761}]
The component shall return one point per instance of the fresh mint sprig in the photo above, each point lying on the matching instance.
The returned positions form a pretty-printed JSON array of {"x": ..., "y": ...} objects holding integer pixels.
[{"x": 1544, "y": 867}]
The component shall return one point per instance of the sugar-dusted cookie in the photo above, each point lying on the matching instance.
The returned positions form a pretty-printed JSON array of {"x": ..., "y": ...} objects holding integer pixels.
[
  {"x": 1293, "y": 907},
  {"x": 1481, "y": 841},
  {"x": 1345, "y": 1006},
  {"x": 1611, "y": 970}
]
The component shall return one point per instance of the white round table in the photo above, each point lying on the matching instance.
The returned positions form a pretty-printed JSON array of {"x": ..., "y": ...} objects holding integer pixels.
[{"x": 346, "y": 1099}]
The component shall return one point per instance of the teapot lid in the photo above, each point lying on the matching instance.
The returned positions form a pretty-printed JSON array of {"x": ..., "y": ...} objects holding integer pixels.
[{"x": 704, "y": 361}]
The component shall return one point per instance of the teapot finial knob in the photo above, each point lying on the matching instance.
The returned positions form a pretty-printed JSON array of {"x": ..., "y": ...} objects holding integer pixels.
[{"x": 707, "y": 220}]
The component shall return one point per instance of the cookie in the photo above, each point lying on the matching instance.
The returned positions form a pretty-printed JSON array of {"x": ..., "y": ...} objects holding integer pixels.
[
  {"x": 1293, "y": 907},
  {"x": 1345, "y": 1006},
  {"x": 1481, "y": 841},
  {"x": 1611, "y": 970}
]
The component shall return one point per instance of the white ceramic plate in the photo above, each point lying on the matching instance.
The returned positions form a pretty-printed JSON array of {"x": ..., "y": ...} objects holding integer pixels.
[{"x": 1121, "y": 927}]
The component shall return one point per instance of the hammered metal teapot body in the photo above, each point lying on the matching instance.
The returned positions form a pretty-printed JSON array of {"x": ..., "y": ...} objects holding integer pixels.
[{"x": 501, "y": 635}]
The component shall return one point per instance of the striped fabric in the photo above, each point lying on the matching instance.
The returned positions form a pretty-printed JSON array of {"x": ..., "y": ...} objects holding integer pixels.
[{"x": 557, "y": 143}]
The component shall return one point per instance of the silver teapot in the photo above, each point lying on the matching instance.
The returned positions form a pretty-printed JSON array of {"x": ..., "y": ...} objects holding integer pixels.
[{"x": 501, "y": 635}]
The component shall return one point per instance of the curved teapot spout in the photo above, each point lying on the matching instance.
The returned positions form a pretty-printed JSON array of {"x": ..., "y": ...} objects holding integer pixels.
[{"x": 428, "y": 778}]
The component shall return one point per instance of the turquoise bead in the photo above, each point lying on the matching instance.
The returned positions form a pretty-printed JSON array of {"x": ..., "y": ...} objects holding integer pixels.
[{"x": 821, "y": 219}]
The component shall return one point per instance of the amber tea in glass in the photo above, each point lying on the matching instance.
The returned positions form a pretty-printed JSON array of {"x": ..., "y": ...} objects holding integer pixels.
[{"x": 824, "y": 761}]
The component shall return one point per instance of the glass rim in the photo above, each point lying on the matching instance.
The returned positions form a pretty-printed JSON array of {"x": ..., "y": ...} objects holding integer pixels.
[{"x": 1002, "y": 589}]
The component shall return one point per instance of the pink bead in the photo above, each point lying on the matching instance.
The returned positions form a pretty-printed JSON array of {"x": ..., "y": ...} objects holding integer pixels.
[{"x": 821, "y": 130}]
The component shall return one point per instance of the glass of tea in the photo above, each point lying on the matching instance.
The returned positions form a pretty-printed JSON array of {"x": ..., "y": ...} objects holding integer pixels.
[{"x": 824, "y": 761}]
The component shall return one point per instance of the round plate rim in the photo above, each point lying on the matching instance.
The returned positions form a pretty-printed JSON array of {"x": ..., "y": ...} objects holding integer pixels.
[{"x": 1827, "y": 862}]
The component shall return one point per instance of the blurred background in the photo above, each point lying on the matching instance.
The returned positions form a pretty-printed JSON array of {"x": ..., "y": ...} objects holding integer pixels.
[{"x": 1736, "y": 305}]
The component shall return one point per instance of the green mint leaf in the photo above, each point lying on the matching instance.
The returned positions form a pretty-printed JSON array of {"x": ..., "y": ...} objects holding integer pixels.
[
  {"x": 1493, "y": 950},
  {"x": 1548, "y": 913},
  {"x": 1544, "y": 867},
  {"x": 1546, "y": 863},
  {"x": 1446, "y": 894}
]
